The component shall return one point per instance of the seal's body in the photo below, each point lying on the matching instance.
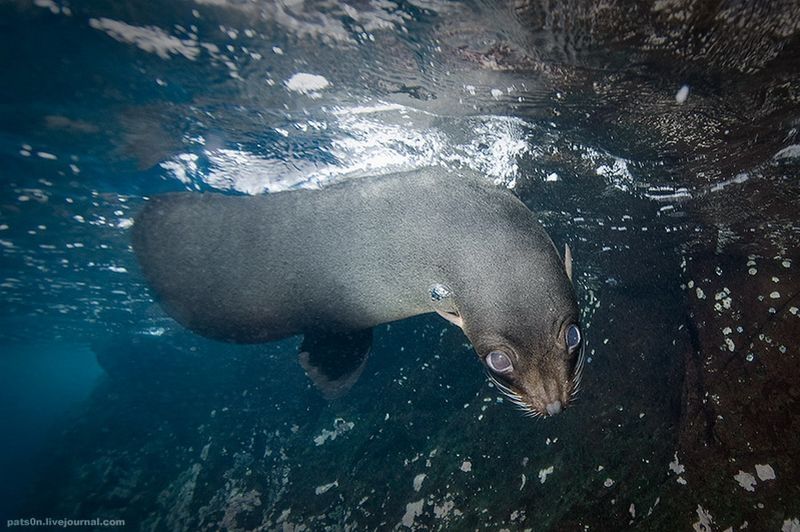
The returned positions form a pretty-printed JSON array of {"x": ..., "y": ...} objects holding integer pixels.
[{"x": 341, "y": 260}]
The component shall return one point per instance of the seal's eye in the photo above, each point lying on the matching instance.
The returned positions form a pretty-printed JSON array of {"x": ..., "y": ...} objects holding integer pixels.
[
  {"x": 499, "y": 362},
  {"x": 573, "y": 337}
]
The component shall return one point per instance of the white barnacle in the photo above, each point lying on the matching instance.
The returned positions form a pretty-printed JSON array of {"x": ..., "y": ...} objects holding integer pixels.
[{"x": 440, "y": 292}]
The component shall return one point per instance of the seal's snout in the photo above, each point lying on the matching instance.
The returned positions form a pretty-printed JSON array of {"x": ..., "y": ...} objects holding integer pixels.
[{"x": 553, "y": 408}]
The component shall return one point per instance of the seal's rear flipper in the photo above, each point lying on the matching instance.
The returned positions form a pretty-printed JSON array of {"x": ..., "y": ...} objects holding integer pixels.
[{"x": 334, "y": 361}]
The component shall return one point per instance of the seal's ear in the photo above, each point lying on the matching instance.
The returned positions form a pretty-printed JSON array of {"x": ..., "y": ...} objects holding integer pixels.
[
  {"x": 568, "y": 261},
  {"x": 452, "y": 317},
  {"x": 444, "y": 305}
]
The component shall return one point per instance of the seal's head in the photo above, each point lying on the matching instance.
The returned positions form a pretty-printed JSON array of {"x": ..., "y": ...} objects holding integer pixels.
[
  {"x": 541, "y": 378},
  {"x": 529, "y": 339}
]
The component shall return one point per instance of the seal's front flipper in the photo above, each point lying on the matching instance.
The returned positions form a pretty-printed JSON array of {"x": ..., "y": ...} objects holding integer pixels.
[{"x": 334, "y": 361}]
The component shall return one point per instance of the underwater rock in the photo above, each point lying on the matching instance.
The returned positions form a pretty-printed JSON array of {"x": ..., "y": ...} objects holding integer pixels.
[{"x": 742, "y": 388}]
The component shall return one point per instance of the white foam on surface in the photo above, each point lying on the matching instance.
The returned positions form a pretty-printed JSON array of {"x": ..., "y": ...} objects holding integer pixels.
[
  {"x": 306, "y": 83},
  {"x": 617, "y": 174},
  {"x": 150, "y": 39},
  {"x": 366, "y": 140}
]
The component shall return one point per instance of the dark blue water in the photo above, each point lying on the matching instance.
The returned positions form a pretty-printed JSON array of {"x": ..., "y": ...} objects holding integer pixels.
[
  {"x": 658, "y": 140},
  {"x": 42, "y": 384}
]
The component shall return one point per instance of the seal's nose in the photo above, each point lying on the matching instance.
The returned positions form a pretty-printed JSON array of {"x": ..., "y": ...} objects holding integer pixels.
[{"x": 553, "y": 408}]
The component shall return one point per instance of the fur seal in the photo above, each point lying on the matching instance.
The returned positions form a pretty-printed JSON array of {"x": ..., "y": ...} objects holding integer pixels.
[{"x": 333, "y": 263}]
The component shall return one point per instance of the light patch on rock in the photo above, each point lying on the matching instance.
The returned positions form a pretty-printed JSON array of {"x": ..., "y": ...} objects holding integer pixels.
[
  {"x": 700, "y": 293},
  {"x": 340, "y": 426},
  {"x": 789, "y": 152},
  {"x": 204, "y": 452},
  {"x": 704, "y": 522},
  {"x": 650, "y": 510},
  {"x": 791, "y": 525},
  {"x": 442, "y": 510},
  {"x": 746, "y": 480},
  {"x": 543, "y": 474},
  {"x": 48, "y": 4},
  {"x": 608, "y": 483},
  {"x": 675, "y": 466},
  {"x": 284, "y": 515},
  {"x": 418, "y": 481},
  {"x": 765, "y": 472},
  {"x": 178, "y": 496},
  {"x": 682, "y": 95},
  {"x": 238, "y": 503},
  {"x": 319, "y": 490},
  {"x": 466, "y": 466},
  {"x": 737, "y": 179},
  {"x": 413, "y": 509}
]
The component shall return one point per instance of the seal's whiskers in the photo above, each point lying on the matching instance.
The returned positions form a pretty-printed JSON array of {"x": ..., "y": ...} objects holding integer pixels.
[
  {"x": 514, "y": 397},
  {"x": 577, "y": 374}
]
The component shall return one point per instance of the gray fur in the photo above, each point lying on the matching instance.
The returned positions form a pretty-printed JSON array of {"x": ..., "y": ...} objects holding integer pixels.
[{"x": 361, "y": 253}]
